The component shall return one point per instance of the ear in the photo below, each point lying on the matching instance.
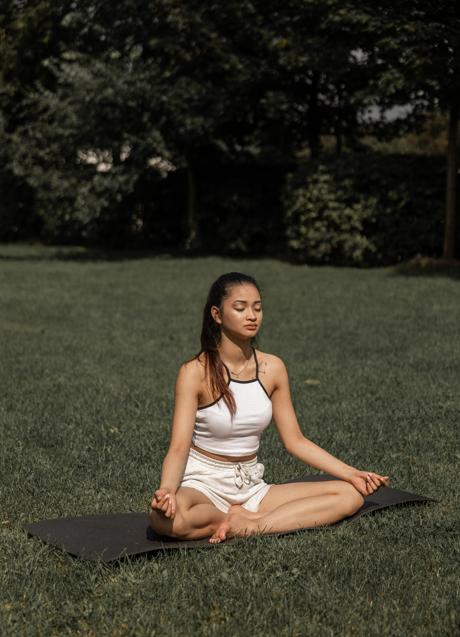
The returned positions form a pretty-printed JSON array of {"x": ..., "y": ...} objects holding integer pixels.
[{"x": 215, "y": 313}]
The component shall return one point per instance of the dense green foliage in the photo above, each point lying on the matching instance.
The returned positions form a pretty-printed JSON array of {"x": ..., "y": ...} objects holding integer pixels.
[
  {"x": 376, "y": 210},
  {"x": 325, "y": 222},
  {"x": 91, "y": 351},
  {"x": 102, "y": 103}
]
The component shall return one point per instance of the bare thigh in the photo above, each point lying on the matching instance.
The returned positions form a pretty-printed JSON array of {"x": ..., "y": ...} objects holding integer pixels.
[
  {"x": 279, "y": 494},
  {"x": 186, "y": 498}
]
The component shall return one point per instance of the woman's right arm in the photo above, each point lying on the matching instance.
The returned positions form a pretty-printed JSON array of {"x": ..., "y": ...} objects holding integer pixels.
[{"x": 183, "y": 423}]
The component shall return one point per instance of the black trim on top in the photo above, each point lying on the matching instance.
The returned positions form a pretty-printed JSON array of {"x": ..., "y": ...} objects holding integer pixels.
[
  {"x": 257, "y": 374},
  {"x": 269, "y": 398},
  {"x": 217, "y": 399},
  {"x": 232, "y": 380},
  {"x": 209, "y": 404},
  {"x": 257, "y": 363},
  {"x": 253, "y": 380},
  {"x": 228, "y": 373}
]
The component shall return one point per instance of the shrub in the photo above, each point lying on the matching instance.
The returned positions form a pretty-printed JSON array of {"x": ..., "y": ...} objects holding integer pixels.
[
  {"x": 365, "y": 209},
  {"x": 325, "y": 220}
]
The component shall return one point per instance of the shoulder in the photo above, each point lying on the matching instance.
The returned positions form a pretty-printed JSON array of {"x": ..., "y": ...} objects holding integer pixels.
[
  {"x": 271, "y": 364},
  {"x": 272, "y": 359},
  {"x": 276, "y": 378},
  {"x": 191, "y": 373}
]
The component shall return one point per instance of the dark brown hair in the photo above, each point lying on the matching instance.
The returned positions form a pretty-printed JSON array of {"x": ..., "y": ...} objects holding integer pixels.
[{"x": 211, "y": 335}]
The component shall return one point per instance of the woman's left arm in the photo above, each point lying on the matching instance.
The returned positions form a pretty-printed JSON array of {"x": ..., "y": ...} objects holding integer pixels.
[{"x": 307, "y": 451}]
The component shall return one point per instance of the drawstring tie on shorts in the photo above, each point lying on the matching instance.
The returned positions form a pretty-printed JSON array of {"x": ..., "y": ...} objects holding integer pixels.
[{"x": 244, "y": 476}]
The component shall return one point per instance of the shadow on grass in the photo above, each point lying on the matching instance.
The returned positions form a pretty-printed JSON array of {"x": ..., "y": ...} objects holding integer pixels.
[
  {"x": 428, "y": 266},
  {"x": 38, "y": 252},
  {"x": 47, "y": 252}
]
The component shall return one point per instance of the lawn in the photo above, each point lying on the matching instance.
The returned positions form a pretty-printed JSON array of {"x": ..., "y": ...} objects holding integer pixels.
[{"x": 90, "y": 348}]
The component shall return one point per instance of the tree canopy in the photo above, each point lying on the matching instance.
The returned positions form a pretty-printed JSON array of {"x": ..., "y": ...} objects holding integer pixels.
[{"x": 97, "y": 98}]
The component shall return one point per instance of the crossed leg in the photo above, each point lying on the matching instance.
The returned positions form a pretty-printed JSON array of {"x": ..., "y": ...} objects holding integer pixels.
[
  {"x": 196, "y": 516},
  {"x": 287, "y": 507}
]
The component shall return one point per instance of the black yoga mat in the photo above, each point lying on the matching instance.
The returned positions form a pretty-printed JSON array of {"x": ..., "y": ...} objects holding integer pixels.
[{"x": 111, "y": 536}]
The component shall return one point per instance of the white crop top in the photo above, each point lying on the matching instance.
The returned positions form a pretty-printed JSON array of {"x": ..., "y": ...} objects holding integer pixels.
[{"x": 215, "y": 432}]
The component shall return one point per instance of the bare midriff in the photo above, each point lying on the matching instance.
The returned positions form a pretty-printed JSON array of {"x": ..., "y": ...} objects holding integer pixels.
[{"x": 217, "y": 456}]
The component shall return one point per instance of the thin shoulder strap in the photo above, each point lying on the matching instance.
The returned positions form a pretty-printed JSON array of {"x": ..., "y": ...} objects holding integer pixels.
[
  {"x": 257, "y": 362},
  {"x": 228, "y": 372}
]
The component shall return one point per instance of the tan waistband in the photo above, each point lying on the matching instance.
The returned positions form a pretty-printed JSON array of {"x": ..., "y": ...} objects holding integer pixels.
[{"x": 221, "y": 463}]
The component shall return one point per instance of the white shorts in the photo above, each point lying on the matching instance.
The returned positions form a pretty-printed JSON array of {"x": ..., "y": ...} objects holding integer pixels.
[{"x": 226, "y": 483}]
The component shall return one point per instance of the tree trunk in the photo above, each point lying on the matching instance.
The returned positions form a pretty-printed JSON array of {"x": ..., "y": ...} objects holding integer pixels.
[
  {"x": 338, "y": 122},
  {"x": 451, "y": 186},
  {"x": 314, "y": 127},
  {"x": 191, "y": 241}
]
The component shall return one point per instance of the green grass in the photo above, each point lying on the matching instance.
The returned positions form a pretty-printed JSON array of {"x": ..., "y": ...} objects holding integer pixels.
[{"x": 90, "y": 349}]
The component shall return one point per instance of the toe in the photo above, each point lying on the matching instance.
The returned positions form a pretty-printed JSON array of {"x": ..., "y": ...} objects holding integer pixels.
[{"x": 217, "y": 536}]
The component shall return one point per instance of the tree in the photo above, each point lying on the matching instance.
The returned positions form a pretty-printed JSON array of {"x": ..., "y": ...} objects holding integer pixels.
[
  {"x": 417, "y": 49},
  {"x": 98, "y": 98}
]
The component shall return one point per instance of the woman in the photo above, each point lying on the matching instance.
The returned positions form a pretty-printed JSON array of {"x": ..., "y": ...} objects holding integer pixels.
[{"x": 211, "y": 483}]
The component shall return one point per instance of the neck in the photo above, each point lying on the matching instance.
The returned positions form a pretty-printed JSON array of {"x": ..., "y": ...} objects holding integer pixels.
[{"x": 234, "y": 353}]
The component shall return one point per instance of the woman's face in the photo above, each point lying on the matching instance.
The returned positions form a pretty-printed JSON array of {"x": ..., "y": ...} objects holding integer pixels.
[{"x": 242, "y": 311}]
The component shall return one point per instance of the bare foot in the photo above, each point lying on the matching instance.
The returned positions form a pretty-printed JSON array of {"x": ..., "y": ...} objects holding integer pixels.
[
  {"x": 234, "y": 524},
  {"x": 221, "y": 532}
]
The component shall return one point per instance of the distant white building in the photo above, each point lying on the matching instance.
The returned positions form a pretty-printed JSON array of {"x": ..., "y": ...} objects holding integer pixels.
[{"x": 103, "y": 159}]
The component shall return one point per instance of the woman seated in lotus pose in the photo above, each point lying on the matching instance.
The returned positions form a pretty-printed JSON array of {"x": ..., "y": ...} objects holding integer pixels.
[{"x": 211, "y": 482}]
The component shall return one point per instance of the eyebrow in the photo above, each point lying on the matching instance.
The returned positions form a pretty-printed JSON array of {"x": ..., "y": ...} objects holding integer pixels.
[{"x": 241, "y": 301}]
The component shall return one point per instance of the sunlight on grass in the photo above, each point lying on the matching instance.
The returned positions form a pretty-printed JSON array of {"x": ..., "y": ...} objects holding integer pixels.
[{"x": 90, "y": 352}]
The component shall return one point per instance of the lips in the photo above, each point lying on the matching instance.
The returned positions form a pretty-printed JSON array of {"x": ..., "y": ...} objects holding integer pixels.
[{"x": 252, "y": 326}]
